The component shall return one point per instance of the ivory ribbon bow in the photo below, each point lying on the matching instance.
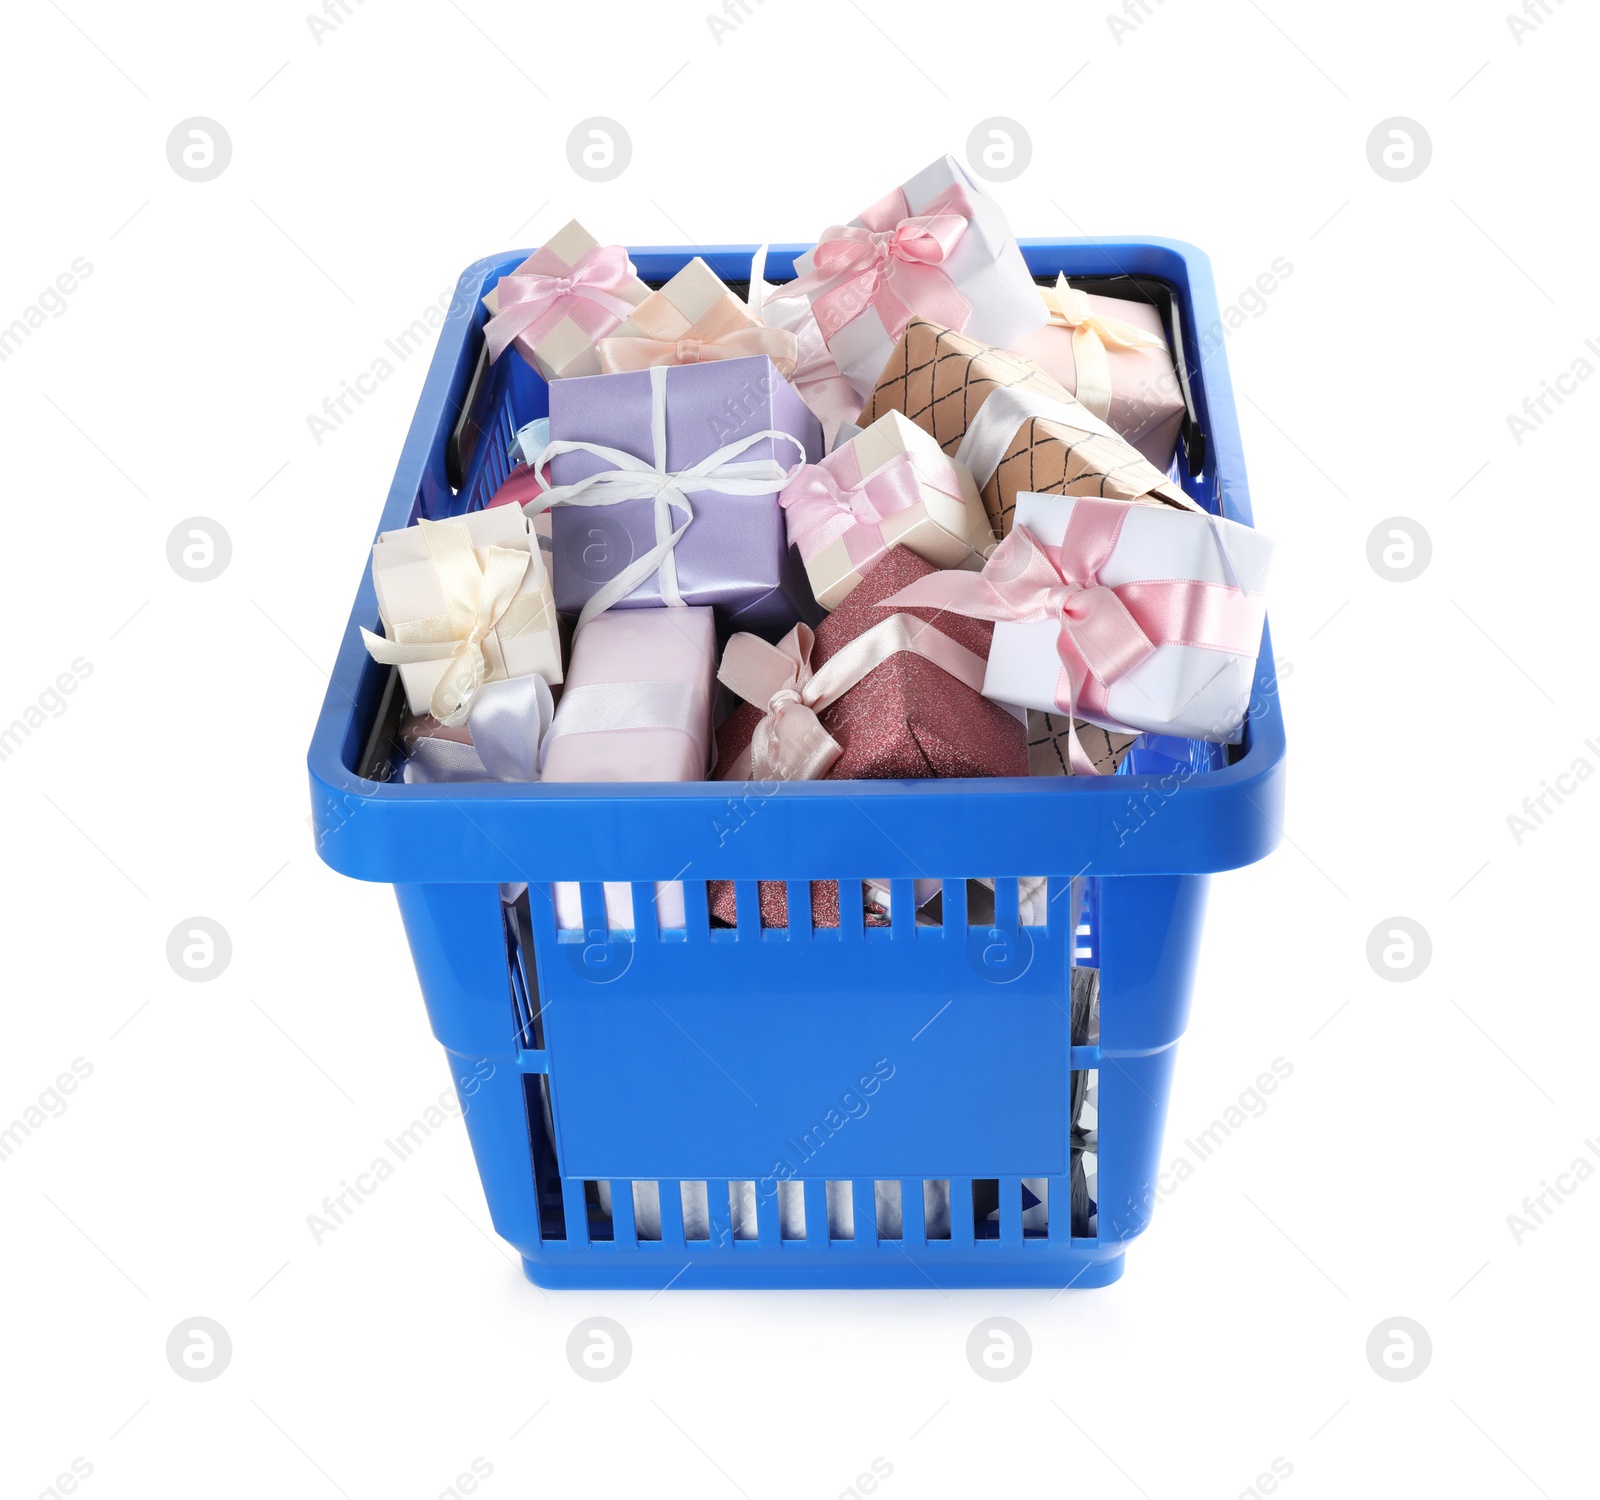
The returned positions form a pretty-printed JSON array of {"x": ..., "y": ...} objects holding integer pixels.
[
  {"x": 544, "y": 289},
  {"x": 831, "y": 499},
  {"x": 632, "y": 478},
  {"x": 1092, "y": 335},
  {"x": 892, "y": 262},
  {"x": 789, "y": 743},
  {"x": 726, "y": 331},
  {"x": 1105, "y": 631},
  {"x": 482, "y": 605}
]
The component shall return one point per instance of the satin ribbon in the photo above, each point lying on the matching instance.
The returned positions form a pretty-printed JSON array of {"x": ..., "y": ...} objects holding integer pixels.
[
  {"x": 482, "y": 606},
  {"x": 1092, "y": 335},
  {"x": 1105, "y": 632},
  {"x": 891, "y": 262},
  {"x": 991, "y": 428},
  {"x": 612, "y": 707},
  {"x": 632, "y": 478},
  {"x": 831, "y": 499},
  {"x": 544, "y": 289},
  {"x": 665, "y": 336},
  {"x": 790, "y": 743},
  {"x": 508, "y": 722}
]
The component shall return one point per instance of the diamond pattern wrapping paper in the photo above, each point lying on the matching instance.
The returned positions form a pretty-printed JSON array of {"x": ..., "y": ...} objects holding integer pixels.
[{"x": 941, "y": 380}]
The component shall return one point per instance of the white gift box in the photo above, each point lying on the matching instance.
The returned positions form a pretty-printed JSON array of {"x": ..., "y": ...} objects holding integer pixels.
[
  {"x": 986, "y": 266},
  {"x": 1190, "y": 691},
  {"x": 409, "y": 589}
]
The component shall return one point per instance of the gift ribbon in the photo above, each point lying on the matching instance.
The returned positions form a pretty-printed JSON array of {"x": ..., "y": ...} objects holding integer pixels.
[
  {"x": 991, "y": 428},
  {"x": 544, "y": 289},
  {"x": 612, "y": 707},
  {"x": 665, "y": 336},
  {"x": 891, "y": 262},
  {"x": 482, "y": 604},
  {"x": 508, "y": 722},
  {"x": 1092, "y": 335},
  {"x": 1105, "y": 632},
  {"x": 632, "y": 478},
  {"x": 832, "y": 499},
  {"x": 789, "y": 743}
]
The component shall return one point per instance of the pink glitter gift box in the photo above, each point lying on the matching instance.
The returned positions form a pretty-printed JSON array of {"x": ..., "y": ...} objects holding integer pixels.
[{"x": 906, "y": 718}]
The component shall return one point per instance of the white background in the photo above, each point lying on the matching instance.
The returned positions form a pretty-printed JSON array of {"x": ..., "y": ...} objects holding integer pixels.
[{"x": 367, "y": 169}]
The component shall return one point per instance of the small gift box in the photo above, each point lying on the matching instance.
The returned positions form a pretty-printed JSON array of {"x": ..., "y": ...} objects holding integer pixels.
[
  {"x": 1134, "y": 617},
  {"x": 666, "y": 483},
  {"x": 560, "y": 300},
  {"x": 1113, "y": 356},
  {"x": 636, "y": 707},
  {"x": 890, "y": 485},
  {"x": 464, "y": 602},
  {"x": 874, "y": 693},
  {"x": 1050, "y": 738},
  {"x": 1011, "y": 424},
  {"x": 692, "y": 319},
  {"x": 937, "y": 246}
]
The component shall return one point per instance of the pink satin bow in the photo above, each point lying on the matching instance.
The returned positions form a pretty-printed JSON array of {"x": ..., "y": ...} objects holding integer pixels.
[
  {"x": 544, "y": 289},
  {"x": 1105, "y": 631},
  {"x": 828, "y": 500},
  {"x": 727, "y": 331},
  {"x": 891, "y": 262},
  {"x": 789, "y": 743}
]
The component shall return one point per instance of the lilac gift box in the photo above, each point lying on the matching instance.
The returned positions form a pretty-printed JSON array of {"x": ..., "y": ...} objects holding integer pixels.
[{"x": 735, "y": 554}]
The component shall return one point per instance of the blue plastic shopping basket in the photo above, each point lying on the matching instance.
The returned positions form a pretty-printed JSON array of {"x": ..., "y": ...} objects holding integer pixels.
[{"x": 751, "y": 1106}]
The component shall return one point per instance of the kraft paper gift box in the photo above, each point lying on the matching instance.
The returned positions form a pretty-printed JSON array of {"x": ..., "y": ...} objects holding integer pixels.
[
  {"x": 464, "y": 602},
  {"x": 636, "y": 707},
  {"x": 890, "y": 485},
  {"x": 734, "y": 431},
  {"x": 1049, "y": 745},
  {"x": 559, "y": 301},
  {"x": 1133, "y": 617},
  {"x": 938, "y": 246},
  {"x": 1112, "y": 354},
  {"x": 692, "y": 319},
  {"x": 1011, "y": 424}
]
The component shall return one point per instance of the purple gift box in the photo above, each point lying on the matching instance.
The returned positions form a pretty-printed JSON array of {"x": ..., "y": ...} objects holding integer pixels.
[{"x": 735, "y": 554}]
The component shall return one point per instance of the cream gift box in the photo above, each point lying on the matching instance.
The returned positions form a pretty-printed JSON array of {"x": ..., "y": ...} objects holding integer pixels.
[
  {"x": 469, "y": 597},
  {"x": 692, "y": 319},
  {"x": 636, "y": 707},
  {"x": 891, "y": 484},
  {"x": 557, "y": 303},
  {"x": 1190, "y": 690},
  {"x": 898, "y": 267}
]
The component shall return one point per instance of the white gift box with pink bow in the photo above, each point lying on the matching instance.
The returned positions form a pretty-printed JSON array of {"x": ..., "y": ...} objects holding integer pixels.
[
  {"x": 937, "y": 246},
  {"x": 1130, "y": 616}
]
